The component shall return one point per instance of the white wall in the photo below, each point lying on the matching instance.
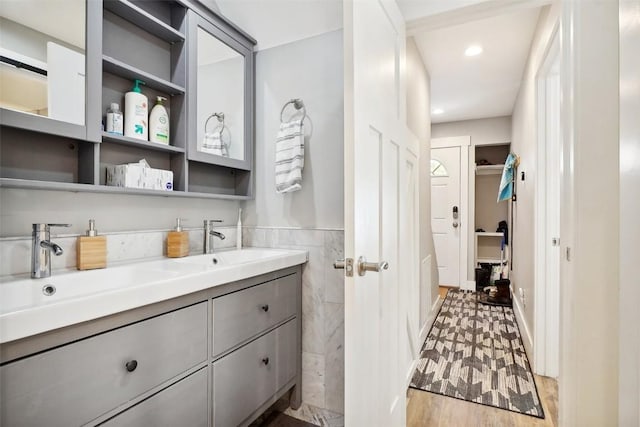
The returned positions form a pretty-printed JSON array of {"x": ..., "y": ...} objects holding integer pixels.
[
  {"x": 311, "y": 69},
  {"x": 629, "y": 212},
  {"x": 590, "y": 215},
  {"x": 494, "y": 130},
  {"x": 113, "y": 212},
  {"x": 418, "y": 121},
  {"x": 523, "y": 144}
]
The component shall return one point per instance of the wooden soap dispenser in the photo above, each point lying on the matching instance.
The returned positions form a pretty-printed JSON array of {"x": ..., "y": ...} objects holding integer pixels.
[
  {"x": 178, "y": 242},
  {"x": 91, "y": 250}
]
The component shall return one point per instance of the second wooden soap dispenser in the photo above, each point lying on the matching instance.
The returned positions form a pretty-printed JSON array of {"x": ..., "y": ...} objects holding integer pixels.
[
  {"x": 91, "y": 250},
  {"x": 178, "y": 241}
]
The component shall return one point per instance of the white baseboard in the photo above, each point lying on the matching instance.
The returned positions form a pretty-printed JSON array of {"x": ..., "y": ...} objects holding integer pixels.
[
  {"x": 435, "y": 308},
  {"x": 527, "y": 339}
]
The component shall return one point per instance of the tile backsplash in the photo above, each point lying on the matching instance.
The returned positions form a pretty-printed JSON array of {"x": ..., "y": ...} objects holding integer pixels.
[{"x": 122, "y": 247}]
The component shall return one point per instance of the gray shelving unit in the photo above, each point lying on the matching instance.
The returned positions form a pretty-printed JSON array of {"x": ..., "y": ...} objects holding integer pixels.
[{"x": 41, "y": 153}]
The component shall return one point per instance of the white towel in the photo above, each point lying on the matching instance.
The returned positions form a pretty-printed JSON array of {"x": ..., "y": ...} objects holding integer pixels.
[
  {"x": 289, "y": 156},
  {"x": 213, "y": 143}
]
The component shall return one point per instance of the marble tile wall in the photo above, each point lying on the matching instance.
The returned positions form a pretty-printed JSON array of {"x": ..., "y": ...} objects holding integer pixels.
[
  {"x": 122, "y": 247},
  {"x": 322, "y": 309}
]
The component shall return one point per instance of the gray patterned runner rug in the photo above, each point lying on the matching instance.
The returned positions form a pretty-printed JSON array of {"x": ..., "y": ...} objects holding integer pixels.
[{"x": 474, "y": 352}]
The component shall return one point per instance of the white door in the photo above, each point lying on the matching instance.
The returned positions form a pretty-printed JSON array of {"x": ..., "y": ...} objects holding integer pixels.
[
  {"x": 375, "y": 165},
  {"x": 446, "y": 212}
]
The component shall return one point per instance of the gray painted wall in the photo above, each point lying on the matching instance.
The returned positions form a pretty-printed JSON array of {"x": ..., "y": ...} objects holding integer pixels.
[
  {"x": 310, "y": 69},
  {"x": 20, "y": 208},
  {"x": 495, "y": 130}
]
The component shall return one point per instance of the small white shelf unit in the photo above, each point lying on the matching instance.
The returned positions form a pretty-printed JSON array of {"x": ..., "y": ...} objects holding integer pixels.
[
  {"x": 487, "y": 248},
  {"x": 489, "y": 169}
]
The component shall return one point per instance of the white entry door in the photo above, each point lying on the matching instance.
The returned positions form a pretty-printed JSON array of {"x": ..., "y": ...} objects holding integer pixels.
[
  {"x": 446, "y": 212},
  {"x": 375, "y": 204}
]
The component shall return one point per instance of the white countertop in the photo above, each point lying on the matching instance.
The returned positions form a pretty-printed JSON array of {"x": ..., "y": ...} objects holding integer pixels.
[{"x": 81, "y": 296}]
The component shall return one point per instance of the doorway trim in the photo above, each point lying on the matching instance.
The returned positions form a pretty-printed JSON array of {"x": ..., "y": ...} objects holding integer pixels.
[
  {"x": 464, "y": 142},
  {"x": 546, "y": 343}
]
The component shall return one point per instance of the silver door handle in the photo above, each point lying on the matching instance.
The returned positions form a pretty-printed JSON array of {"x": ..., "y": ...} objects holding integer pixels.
[{"x": 364, "y": 266}]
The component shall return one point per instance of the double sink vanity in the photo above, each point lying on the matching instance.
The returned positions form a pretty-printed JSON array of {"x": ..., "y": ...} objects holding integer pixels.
[{"x": 206, "y": 340}]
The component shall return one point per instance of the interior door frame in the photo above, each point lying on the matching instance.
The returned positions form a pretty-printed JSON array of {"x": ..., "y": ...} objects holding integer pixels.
[
  {"x": 464, "y": 142},
  {"x": 546, "y": 346}
]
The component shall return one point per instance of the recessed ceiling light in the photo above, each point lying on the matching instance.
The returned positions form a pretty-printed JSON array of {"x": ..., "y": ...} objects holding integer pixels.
[
  {"x": 473, "y": 50},
  {"x": 438, "y": 111}
]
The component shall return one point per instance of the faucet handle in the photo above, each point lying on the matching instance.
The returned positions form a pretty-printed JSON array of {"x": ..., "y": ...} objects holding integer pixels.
[
  {"x": 44, "y": 227},
  {"x": 58, "y": 225}
]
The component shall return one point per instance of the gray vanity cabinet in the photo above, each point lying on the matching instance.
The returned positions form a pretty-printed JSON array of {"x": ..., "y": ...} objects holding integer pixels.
[
  {"x": 218, "y": 357},
  {"x": 74, "y": 384}
]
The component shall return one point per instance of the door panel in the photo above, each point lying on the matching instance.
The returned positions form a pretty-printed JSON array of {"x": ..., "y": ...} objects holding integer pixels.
[
  {"x": 445, "y": 194},
  {"x": 375, "y": 155}
]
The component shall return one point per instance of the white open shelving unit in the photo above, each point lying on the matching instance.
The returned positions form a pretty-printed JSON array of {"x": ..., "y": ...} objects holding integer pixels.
[{"x": 487, "y": 248}]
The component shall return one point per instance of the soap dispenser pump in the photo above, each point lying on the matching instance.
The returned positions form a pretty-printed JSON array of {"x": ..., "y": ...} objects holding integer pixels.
[
  {"x": 178, "y": 241},
  {"x": 91, "y": 249}
]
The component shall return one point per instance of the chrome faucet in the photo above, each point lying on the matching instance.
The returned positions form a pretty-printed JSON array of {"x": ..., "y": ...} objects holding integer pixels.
[
  {"x": 41, "y": 248},
  {"x": 208, "y": 232}
]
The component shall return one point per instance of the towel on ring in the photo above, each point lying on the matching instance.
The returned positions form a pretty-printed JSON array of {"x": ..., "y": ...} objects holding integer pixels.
[
  {"x": 213, "y": 143},
  {"x": 289, "y": 156}
]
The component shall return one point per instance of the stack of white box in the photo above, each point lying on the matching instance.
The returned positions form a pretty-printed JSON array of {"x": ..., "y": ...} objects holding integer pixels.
[{"x": 139, "y": 175}]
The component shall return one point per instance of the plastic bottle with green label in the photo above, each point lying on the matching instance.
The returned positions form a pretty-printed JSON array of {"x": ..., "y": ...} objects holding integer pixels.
[
  {"x": 136, "y": 113},
  {"x": 159, "y": 123}
]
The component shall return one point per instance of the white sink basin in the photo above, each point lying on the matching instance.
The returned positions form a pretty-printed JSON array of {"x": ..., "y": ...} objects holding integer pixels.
[
  {"x": 32, "y": 306},
  {"x": 26, "y": 293},
  {"x": 231, "y": 258}
]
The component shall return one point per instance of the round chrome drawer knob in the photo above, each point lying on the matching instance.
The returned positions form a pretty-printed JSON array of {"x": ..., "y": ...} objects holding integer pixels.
[
  {"x": 265, "y": 360},
  {"x": 265, "y": 308}
]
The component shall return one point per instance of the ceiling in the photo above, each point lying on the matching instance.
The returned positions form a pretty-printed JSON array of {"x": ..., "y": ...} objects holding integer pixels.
[
  {"x": 465, "y": 88},
  {"x": 481, "y": 86}
]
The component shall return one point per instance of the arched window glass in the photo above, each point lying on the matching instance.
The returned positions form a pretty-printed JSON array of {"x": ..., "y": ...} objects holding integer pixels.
[{"x": 438, "y": 169}]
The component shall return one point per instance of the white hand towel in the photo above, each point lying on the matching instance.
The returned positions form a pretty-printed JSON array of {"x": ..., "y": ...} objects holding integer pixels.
[
  {"x": 213, "y": 143},
  {"x": 289, "y": 156}
]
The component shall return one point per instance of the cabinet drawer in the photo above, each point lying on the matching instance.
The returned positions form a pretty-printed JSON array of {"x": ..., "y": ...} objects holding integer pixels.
[
  {"x": 244, "y": 314},
  {"x": 76, "y": 383},
  {"x": 182, "y": 404},
  {"x": 242, "y": 381}
]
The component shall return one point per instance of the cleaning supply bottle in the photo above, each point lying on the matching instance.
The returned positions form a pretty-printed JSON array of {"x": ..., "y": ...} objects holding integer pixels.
[
  {"x": 177, "y": 241},
  {"x": 114, "y": 119},
  {"x": 91, "y": 250},
  {"x": 159, "y": 123},
  {"x": 239, "y": 231},
  {"x": 136, "y": 113}
]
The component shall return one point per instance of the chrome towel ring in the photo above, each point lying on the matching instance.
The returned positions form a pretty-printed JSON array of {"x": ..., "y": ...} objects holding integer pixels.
[{"x": 298, "y": 104}]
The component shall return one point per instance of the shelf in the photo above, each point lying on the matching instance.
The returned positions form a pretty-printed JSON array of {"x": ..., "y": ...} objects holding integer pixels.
[
  {"x": 487, "y": 234},
  {"x": 119, "y": 68},
  {"x": 490, "y": 260},
  {"x": 489, "y": 169},
  {"x": 90, "y": 188},
  {"x": 132, "y": 13},
  {"x": 133, "y": 142}
]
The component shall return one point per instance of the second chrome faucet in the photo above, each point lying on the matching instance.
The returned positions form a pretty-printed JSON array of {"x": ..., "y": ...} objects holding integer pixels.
[{"x": 210, "y": 232}]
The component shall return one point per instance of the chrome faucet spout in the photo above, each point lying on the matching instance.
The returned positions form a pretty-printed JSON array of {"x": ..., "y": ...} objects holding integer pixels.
[
  {"x": 53, "y": 247},
  {"x": 41, "y": 249},
  {"x": 217, "y": 234}
]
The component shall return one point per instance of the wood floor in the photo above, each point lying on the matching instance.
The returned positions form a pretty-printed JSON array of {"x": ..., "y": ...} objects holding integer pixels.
[{"x": 426, "y": 409}]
